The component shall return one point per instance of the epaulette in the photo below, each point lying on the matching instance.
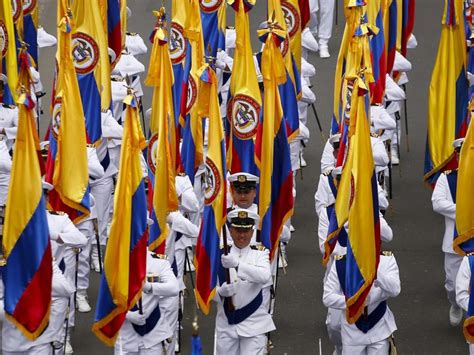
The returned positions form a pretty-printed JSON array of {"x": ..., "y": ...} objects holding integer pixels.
[
  {"x": 327, "y": 172},
  {"x": 131, "y": 33},
  {"x": 181, "y": 174},
  {"x": 448, "y": 172},
  {"x": 159, "y": 256},
  {"x": 56, "y": 213},
  {"x": 386, "y": 253},
  {"x": 339, "y": 257},
  {"x": 116, "y": 78},
  {"x": 8, "y": 106},
  {"x": 375, "y": 135},
  {"x": 259, "y": 247}
]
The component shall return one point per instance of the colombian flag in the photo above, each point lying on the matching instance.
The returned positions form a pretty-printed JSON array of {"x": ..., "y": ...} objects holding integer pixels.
[
  {"x": 377, "y": 50},
  {"x": 468, "y": 326},
  {"x": 161, "y": 167},
  {"x": 192, "y": 150},
  {"x": 114, "y": 29},
  {"x": 91, "y": 59},
  {"x": 207, "y": 250},
  {"x": 178, "y": 49},
  {"x": 30, "y": 28},
  {"x": 245, "y": 102},
  {"x": 69, "y": 175},
  {"x": 464, "y": 242},
  {"x": 125, "y": 260},
  {"x": 448, "y": 93},
  {"x": 9, "y": 54},
  {"x": 290, "y": 89},
  {"x": 27, "y": 276},
  {"x": 357, "y": 202},
  {"x": 352, "y": 21},
  {"x": 213, "y": 19},
  {"x": 272, "y": 153},
  {"x": 391, "y": 33}
]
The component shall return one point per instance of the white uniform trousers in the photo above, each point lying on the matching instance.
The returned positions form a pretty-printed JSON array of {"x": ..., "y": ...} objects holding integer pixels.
[
  {"x": 255, "y": 345},
  {"x": 379, "y": 348},
  {"x": 154, "y": 350},
  {"x": 43, "y": 349},
  {"x": 323, "y": 25},
  {"x": 83, "y": 267},
  {"x": 333, "y": 324},
  {"x": 102, "y": 192},
  {"x": 471, "y": 349},
  {"x": 451, "y": 267},
  {"x": 70, "y": 275}
]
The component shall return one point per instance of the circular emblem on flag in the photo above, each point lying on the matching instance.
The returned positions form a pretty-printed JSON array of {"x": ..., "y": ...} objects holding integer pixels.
[
  {"x": 56, "y": 118},
  {"x": 151, "y": 152},
  {"x": 191, "y": 95},
  {"x": 213, "y": 182},
  {"x": 178, "y": 43},
  {"x": 85, "y": 52},
  {"x": 16, "y": 9},
  {"x": 292, "y": 17},
  {"x": 3, "y": 38},
  {"x": 284, "y": 46},
  {"x": 28, "y": 6},
  {"x": 245, "y": 116},
  {"x": 210, "y": 5}
]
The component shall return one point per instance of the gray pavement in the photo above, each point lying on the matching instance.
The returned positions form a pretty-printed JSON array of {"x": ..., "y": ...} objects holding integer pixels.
[{"x": 421, "y": 310}]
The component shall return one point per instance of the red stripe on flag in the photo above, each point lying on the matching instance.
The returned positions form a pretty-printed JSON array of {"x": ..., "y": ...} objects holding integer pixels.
[{"x": 36, "y": 299}]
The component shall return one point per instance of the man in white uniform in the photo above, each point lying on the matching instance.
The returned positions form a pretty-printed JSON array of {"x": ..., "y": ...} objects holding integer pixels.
[
  {"x": 146, "y": 330},
  {"x": 444, "y": 203},
  {"x": 242, "y": 320},
  {"x": 371, "y": 334}
]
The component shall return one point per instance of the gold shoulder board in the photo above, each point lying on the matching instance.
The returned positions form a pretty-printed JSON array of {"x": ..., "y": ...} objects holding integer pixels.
[
  {"x": 386, "y": 253},
  {"x": 159, "y": 256}
]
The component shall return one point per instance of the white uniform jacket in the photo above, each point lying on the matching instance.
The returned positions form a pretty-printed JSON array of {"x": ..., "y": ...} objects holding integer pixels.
[
  {"x": 167, "y": 286},
  {"x": 444, "y": 205},
  {"x": 386, "y": 286},
  {"x": 62, "y": 289},
  {"x": 253, "y": 274}
]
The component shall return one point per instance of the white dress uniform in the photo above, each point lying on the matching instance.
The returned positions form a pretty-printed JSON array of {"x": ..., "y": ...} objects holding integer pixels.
[
  {"x": 135, "y": 44},
  {"x": 184, "y": 231},
  {"x": 14, "y": 343},
  {"x": 140, "y": 338},
  {"x": 60, "y": 226},
  {"x": 322, "y": 26},
  {"x": 249, "y": 279},
  {"x": 443, "y": 204},
  {"x": 5, "y": 171},
  {"x": 463, "y": 286},
  {"x": 86, "y": 227},
  {"x": 102, "y": 188},
  {"x": 324, "y": 195},
  {"x": 8, "y": 123},
  {"x": 373, "y": 339},
  {"x": 378, "y": 151}
]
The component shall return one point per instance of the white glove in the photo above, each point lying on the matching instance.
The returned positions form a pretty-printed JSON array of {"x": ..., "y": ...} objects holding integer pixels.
[
  {"x": 227, "y": 290},
  {"x": 136, "y": 318},
  {"x": 229, "y": 261},
  {"x": 147, "y": 287}
]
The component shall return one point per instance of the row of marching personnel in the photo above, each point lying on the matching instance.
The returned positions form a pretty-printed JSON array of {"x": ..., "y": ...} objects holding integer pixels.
[
  {"x": 359, "y": 319},
  {"x": 247, "y": 280}
]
